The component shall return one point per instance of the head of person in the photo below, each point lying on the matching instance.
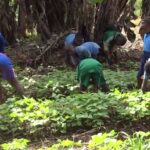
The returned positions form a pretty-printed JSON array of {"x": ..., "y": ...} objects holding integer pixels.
[
  {"x": 145, "y": 26},
  {"x": 112, "y": 27},
  {"x": 79, "y": 39},
  {"x": 147, "y": 68},
  {"x": 120, "y": 40}
]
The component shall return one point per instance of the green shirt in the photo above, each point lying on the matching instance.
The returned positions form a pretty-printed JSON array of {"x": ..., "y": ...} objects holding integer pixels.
[
  {"x": 90, "y": 68},
  {"x": 108, "y": 37},
  {"x": 88, "y": 65}
]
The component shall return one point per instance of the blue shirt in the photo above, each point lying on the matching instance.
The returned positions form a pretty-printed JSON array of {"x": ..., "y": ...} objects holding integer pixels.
[
  {"x": 69, "y": 39},
  {"x": 82, "y": 52},
  {"x": 3, "y": 43},
  {"x": 6, "y": 67},
  {"x": 92, "y": 47},
  {"x": 5, "y": 61},
  {"x": 147, "y": 42}
]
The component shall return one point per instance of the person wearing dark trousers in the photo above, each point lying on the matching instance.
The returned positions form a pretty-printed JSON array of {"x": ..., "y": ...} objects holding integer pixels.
[{"x": 145, "y": 33}]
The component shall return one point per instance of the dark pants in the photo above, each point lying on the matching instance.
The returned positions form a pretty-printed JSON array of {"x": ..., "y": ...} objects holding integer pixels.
[{"x": 144, "y": 58}]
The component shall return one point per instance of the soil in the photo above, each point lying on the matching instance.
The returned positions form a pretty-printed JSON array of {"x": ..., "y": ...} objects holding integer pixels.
[
  {"x": 52, "y": 53},
  {"x": 85, "y": 134}
]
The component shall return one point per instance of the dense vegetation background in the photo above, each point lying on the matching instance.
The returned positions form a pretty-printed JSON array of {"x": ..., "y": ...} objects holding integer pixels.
[{"x": 21, "y": 18}]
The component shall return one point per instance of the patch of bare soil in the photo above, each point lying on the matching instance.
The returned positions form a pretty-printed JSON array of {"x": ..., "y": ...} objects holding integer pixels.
[
  {"x": 52, "y": 52},
  {"x": 85, "y": 134}
]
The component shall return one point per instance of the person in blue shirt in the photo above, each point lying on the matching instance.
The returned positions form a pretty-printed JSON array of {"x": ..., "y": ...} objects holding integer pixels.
[
  {"x": 79, "y": 53},
  {"x": 3, "y": 43},
  {"x": 76, "y": 39},
  {"x": 7, "y": 73},
  {"x": 71, "y": 41},
  {"x": 85, "y": 50},
  {"x": 93, "y": 48},
  {"x": 145, "y": 32}
]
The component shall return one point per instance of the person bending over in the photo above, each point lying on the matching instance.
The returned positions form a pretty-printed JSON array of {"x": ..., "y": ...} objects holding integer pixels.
[
  {"x": 85, "y": 50},
  {"x": 111, "y": 39},
  {"x": 145, "y": 31},
  {"x": 79, "y": 53},
  {"x": 71, "y": 41},
  {"x": 93, "y": 48},
  {"x": 6, "y": 70},
  {"x": 89, "y": 71}
]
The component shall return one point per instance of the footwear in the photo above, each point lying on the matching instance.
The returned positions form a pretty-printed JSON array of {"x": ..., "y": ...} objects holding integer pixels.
[{"x": 105, "y": 88}]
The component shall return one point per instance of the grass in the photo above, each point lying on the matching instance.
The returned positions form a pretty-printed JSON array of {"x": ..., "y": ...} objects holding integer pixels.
[{"x": 54, "y": 106}]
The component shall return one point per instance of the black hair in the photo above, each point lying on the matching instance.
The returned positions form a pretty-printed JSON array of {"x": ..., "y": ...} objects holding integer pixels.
[
  {"x": 112, "y": 27},
  {"x": 147, "y": 67},
  {"x": 83, "y": 33},
  {"x": 78, "y": 35}
]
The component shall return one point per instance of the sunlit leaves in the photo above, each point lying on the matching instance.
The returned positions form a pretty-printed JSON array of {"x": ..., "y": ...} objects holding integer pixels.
[{"x": 16, "y": 144}]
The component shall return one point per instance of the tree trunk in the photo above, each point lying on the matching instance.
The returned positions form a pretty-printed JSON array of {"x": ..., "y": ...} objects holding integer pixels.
[
  {"x": 55, "y": 16},
  {"x": 58, "y": 16},
  {"x": 116, "y": 12},
  {"x": 87, "y": 19},
  {"x": 145, "y": 8},
  {"x": 22, "y": 18},
  {"x": 8, "y": 20}
]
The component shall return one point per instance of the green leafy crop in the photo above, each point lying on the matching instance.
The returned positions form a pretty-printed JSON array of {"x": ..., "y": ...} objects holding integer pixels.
[
  {"x": 54, "y": 105},
  {"x": 16, "y": 144}
]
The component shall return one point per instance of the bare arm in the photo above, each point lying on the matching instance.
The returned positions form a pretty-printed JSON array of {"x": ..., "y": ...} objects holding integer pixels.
[
  {"x": 144, "y": 86},
  {"x": 15, "y": 83},
  {"x": 110, "y": 48},
  {"x": 69, "y": 53}
]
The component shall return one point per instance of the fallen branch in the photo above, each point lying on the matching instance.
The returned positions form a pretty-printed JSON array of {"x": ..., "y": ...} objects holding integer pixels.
[
  {"x": 51, "y": 45},
  {"x": 93, "y": 131}
]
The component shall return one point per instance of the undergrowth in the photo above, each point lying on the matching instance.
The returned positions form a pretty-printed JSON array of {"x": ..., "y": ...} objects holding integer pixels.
[{"x": 53, "y": 105}]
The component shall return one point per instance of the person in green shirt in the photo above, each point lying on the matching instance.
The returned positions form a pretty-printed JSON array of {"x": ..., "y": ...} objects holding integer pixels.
[
  {"x": 90, "y": 71},
  {"x": 111, "y": 39}
]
